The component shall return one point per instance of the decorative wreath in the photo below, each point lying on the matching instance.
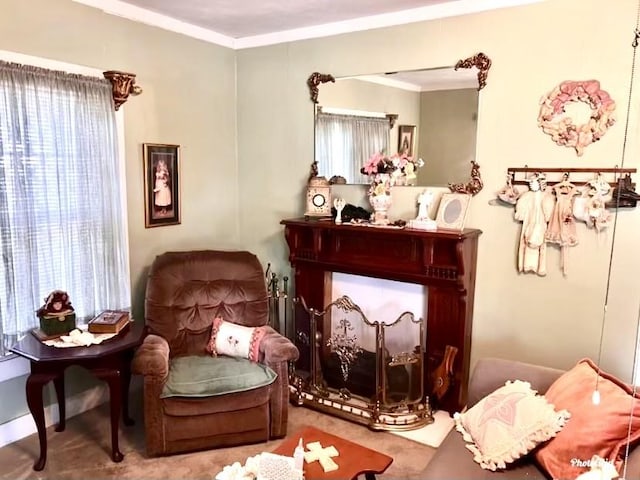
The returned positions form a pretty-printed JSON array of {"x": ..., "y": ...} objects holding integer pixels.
[{"x": 562, "y": 129}]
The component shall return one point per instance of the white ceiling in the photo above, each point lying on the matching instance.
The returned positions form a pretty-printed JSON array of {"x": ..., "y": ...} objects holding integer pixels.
[
  {"x": 246, "y": 18},
  {"x": 250, "y": 23},
  {"x": 444, "y": 78}
]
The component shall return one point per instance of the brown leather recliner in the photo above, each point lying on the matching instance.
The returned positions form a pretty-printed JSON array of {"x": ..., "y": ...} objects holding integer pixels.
[{"x": 185, "y": 292}]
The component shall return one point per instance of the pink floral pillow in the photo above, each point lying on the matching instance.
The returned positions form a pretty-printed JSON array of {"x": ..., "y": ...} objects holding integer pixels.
[
  {"x": 235, "y": 340},
  {"x": 508, "y": 423}
]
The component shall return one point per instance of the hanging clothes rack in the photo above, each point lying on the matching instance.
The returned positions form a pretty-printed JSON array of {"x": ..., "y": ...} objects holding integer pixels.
[{"x": 613, "y": 172}]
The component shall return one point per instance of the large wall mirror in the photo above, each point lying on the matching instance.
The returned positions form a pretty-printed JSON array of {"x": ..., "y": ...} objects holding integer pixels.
[{"x": 430, "y": 113}]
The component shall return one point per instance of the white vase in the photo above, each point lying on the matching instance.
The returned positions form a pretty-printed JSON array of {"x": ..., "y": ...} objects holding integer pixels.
[{"x": 380, "y": 204}]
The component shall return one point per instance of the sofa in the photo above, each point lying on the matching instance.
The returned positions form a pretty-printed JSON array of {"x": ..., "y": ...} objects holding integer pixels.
[{"x": 453, "y": 460}]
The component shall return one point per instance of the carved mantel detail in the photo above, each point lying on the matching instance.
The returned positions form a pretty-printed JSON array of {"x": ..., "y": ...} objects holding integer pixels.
[
  {"x": 481, "y": 62},
  {"x": 316, "y": 79},
  {"x": 123, "y": 84}
]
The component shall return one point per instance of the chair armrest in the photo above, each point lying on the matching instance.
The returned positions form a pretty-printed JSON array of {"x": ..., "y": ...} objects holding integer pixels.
[
  {"x": 275, "y": 348},
  {"x": 152, "y": 358},
  {"x": 492, "y": 373}
]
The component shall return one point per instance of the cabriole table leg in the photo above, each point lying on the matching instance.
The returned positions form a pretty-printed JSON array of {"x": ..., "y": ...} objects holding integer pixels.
[
  {"x": 35, "y": 382},
  {"x": 113, "y": 379}
]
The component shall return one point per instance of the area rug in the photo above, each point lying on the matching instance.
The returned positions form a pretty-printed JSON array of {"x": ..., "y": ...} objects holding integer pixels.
[{"x": 432, "y": 434}]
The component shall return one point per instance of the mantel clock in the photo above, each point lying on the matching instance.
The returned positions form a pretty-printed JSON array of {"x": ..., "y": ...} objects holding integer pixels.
[{"x": 318, "y": 197}]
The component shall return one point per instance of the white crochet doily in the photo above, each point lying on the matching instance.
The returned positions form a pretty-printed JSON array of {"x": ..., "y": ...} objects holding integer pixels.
[{"x": 79, "y": 338}]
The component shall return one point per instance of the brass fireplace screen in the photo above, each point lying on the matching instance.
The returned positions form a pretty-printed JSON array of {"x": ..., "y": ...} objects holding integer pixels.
[{"x": 368, "y": 372}]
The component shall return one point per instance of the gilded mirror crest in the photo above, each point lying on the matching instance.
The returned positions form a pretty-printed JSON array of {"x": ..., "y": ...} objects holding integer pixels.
[{"x": 481, "y": 62}]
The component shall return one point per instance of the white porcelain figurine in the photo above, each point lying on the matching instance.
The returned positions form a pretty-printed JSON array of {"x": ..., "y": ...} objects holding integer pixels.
[
  {"x": 339, "y": 203},
  {"x": 423, "y": 221}
]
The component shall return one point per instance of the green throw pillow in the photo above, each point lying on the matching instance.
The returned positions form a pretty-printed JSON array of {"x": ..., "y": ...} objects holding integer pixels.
[{"x": 205, "y": 376}]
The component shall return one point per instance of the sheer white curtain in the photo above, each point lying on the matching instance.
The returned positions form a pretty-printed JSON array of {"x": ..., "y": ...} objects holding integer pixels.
[
  {"x": 345, "y": 142},
  {"x": 61, "y": 221}
]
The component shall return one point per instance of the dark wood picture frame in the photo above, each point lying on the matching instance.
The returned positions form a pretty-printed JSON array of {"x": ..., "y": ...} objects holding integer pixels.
[
  {"x": 406, "y": 139},
  {"x": 161, "y": 184}
]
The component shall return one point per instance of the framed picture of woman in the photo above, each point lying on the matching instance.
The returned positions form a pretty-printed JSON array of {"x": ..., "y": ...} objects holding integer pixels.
[
  {"x": 406, "y": 139},
  {"x": 161, "y": 184}
]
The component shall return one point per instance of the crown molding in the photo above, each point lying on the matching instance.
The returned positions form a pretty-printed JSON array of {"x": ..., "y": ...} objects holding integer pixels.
[
  {"x": 142, "y": 15},
  {"x": 432, "y": 12}
]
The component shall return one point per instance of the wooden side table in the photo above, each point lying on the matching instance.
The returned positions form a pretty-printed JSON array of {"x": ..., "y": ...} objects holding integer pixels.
[
  {"x": 109, "y": 361},
  {"x": 353, "y": 460}
]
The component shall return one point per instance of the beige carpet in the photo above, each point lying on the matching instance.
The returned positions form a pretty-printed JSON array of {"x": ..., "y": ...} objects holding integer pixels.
[{"x": 82, "y": 450}]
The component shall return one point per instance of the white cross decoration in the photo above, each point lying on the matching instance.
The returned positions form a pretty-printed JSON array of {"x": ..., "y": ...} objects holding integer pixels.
[{"x": 323, "y": 455}]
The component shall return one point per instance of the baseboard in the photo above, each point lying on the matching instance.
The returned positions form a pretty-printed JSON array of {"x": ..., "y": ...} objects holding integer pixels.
[{"x": 24, "y": 426}]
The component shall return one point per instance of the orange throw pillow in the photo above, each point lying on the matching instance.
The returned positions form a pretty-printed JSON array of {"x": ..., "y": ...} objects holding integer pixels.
[{"x": 592, "y": 429}]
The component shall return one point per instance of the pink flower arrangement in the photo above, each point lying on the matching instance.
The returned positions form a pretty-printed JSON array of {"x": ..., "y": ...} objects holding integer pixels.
[{"x": 381, "y": 163}]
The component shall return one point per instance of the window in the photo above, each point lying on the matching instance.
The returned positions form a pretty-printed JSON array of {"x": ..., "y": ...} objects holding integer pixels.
[
  {"x": 345, "y": 142},
  {"x": 62, "y": 221}
]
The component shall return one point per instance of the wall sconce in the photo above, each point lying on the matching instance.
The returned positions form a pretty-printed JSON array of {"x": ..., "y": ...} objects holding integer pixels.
[
  {"x": 123, "y": 85},
  {"x": 392, "y": 117}
]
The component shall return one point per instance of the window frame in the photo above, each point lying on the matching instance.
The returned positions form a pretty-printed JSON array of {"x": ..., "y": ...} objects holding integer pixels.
[{"x": 11, "y": 365}]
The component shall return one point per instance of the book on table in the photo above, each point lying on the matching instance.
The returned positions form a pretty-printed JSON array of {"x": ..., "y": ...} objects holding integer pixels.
[{"x": 109, "y": 321}]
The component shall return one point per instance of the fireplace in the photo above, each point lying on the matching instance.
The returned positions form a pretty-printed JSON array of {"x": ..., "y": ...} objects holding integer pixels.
[{"x": 443, "y": 262}]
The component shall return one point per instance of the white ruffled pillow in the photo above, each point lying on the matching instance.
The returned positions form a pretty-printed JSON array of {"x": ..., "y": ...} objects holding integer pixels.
[
  {"x": 235, "y": 340},
  {"x": 508, "y": 423}
]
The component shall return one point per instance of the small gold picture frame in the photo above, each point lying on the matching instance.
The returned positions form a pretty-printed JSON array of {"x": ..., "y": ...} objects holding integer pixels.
[
  {"x": 161, "y": 184},
  {"x": 452, "y": 211}
]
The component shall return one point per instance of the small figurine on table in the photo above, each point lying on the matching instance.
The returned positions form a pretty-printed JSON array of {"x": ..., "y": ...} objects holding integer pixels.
[
  {"x": 423, "y": 221},
  {"x": 57, "y": 303},
  {"x": 57, "y": 315},
  {"x": 339, "y": 205}
]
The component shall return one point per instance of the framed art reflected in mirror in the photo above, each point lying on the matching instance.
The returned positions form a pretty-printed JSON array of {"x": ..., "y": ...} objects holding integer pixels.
[
  {"x": 161, "y": 184},
  {"x": 406, "y": 139},
  {"x": 452, "y": 211}
]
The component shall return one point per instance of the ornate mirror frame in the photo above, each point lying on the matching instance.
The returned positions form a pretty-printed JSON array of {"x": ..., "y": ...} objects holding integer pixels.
[{"x": 480, "y": 61}]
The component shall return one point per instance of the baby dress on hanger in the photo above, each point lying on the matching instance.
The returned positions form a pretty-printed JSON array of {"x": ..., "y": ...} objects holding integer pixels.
[
  {"x": 533, "y": 209},
  {"x": 508, "y": 194},
  {"x": 562, "y": 225},
  {"x": 590, "y": 206}
]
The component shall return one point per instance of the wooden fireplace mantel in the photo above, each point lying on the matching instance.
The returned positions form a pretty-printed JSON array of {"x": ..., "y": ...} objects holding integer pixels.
[{"x": 443, "y": 261}]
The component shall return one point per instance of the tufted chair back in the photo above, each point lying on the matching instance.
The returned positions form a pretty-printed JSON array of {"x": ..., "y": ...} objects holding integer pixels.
[{"x": 187, "y": 290}]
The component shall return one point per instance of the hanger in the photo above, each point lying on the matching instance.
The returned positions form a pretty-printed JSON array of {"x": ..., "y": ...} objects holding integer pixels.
[
  {"x": 598, "y": 186},
  {"x": 564, "y": 186}
]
